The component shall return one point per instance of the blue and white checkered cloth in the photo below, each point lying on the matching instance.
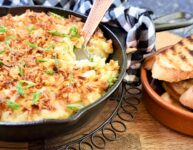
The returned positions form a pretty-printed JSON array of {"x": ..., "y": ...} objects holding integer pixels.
[{"x": 135, "y": 21}]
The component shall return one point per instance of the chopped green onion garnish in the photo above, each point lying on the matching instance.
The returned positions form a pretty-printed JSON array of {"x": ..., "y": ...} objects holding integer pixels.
[
  {"x": 36, "y": 97},
  {"x": 31, "y": 28},
  {"x": 20, "y": 86},
  {"x": 54, "y": 32},
  {"x": 74, "y": 32},
  {"x": 13, "y": 105},
  {"x": 1, "y": 63},
  {"x": 57, "y": 33},
  {"x": 19, "y": 89},
  {"x": 55, "y": 15},
  {"x": 8, "y": 40},
  {"x": 21, "y": 72},
  {"x": 49, "y": 47},
  {"x": 32, "y": 45},
  {"x": 112, "y": 80},
  {"x": 1, "y": 52},
  {"x": 50, "y": 72},
  {"x": 41, "y": 60},
  {"x": 75, "y": 107},
  {"x": 91, "y": 59},
  {"x": 70, "y": 78},
  {"x": 28, "y": 83},
  {"x": 3, "y": 29}
]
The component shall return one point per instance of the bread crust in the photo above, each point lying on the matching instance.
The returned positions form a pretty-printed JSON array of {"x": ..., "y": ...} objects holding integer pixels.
[
  {"x": 186, "y": 98},
  {"x": 166, "y": 97},
  {"x": 169, "y": 74},
  {"x": 171, "y": 91},
  {"x": 174, "y": 66},
  {"x": 174, "y": 63},
  {"x": 181, "y": 91},
  {"x": 148, "y": 64}
]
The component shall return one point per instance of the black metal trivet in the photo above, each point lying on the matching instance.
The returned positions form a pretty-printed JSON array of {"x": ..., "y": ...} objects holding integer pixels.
[{"x": 125, "y": 107}]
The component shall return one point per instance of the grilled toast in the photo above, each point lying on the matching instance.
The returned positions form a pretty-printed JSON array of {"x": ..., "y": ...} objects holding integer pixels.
[
  {"x": 186, "y": 98},
  {"x": 174, "y": 63},
  {"x": 176, "y": 89},
  {"x": 167, "y": 98}
]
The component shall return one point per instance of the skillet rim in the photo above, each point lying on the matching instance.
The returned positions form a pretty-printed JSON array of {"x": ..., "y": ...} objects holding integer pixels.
[{"x": 78, "y": 114}]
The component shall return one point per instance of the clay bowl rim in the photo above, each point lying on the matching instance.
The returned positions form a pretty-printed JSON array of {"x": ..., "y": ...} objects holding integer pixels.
[{"x": 157, "y": 98}]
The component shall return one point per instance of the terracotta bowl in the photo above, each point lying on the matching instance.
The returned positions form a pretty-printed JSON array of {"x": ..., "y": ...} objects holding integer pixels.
[{"x": 171, "y": 116}]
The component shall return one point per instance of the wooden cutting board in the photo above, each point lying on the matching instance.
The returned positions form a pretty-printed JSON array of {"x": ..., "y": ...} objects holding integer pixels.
[{"x": 144, "y": 133}]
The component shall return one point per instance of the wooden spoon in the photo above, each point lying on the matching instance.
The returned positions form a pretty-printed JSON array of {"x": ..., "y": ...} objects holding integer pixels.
[{"x": 95, "y": 16}]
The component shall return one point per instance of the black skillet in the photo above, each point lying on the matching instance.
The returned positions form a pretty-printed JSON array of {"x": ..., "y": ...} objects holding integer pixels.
[{"x": 25, "y": 131}]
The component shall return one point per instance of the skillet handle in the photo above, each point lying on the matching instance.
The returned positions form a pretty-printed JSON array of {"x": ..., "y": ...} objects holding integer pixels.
[{"x": 173, "y": 21}]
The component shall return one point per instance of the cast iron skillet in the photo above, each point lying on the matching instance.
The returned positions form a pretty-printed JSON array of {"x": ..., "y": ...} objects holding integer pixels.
[{"x": 25, "y": 131}]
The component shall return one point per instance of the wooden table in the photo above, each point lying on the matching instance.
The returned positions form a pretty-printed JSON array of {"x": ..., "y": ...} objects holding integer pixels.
[{"x": 144, "y": 133}]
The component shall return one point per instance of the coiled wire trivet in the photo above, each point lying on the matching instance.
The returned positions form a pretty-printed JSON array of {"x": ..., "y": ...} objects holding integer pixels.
[{"x": 124, "y": 112}]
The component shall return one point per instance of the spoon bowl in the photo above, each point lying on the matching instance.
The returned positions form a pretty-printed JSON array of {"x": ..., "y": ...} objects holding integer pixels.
[{"x": 95, "y": 16}]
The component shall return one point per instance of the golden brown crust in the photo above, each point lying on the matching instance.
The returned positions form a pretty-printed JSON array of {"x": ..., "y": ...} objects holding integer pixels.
[
  {"x": 171, "y": 91},
  {"x": 175, "y": 63},
  {"x": 169, "y": 74},
  {"x": 167, "y": 98},
  {"x": 150, "y": 60},
  {"x": 148, "y": 63},
  {"x": 186, "y": 98},
  {"x": 180, "y": 91}
]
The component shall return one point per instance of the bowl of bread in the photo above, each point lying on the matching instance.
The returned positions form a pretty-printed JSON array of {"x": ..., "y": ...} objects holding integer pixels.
[{"x": 167, "y": 79}]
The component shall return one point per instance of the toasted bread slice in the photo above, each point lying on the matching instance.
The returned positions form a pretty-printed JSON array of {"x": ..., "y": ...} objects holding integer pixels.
[
  {"x": 149, "y": 61},
  {"x": 171, "y": 91},
  {"x": 175, "y": 63},
  {"x": 176, "y": 89},
  {"x": 186, "y": 98},
  {"x": 167, "y": 98}
]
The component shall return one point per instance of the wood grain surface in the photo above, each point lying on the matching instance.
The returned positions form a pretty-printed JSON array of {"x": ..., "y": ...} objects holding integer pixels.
[{"x": 144, "y": 133}]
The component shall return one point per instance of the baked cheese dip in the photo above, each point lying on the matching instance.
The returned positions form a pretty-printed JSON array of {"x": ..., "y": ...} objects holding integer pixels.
[{"x": 40, "y": 77}]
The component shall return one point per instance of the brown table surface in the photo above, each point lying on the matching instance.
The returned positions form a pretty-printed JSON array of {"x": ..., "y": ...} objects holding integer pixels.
[{"x": 145, "y": 133}]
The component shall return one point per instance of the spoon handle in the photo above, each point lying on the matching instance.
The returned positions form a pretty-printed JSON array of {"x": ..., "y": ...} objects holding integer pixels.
[{"x": 95, "y": 16}]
